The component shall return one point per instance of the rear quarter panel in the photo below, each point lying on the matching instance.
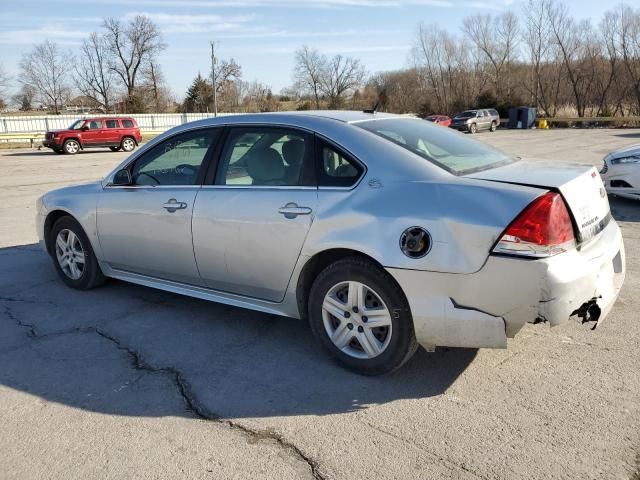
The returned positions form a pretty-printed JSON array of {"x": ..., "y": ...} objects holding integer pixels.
[{"x": 464, "y": 219}]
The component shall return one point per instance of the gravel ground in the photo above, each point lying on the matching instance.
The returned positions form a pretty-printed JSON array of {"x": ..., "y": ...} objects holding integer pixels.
[{"x": 125, "y": 381}]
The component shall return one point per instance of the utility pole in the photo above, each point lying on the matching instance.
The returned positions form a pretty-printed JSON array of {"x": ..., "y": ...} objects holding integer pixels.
[{"x": 213, "y": 79}]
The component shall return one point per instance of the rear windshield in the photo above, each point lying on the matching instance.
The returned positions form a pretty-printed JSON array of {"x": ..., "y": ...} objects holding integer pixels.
[{"x": 450, "y": 150}]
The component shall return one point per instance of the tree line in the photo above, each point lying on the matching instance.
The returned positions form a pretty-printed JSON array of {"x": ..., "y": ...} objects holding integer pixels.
[{"x": 542, "y": 57}]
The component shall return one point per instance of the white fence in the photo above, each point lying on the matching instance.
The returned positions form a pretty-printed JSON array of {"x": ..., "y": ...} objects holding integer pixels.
[{"x": 42, "y": 123}]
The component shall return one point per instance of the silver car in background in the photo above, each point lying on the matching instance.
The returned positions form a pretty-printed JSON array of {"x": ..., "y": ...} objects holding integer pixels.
[
  {"x": 473, "y": 121},
  {"x": 385, "y": 232}
]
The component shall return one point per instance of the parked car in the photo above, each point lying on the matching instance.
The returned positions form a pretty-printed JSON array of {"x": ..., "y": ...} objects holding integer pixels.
[
  {"x": 442, "y": 120},
  {"x": 621, "y": 172},
  {"x": 473, "y": 121},
  {"x": 386, "y": 232},
  {"x": 119, "y": 133}
]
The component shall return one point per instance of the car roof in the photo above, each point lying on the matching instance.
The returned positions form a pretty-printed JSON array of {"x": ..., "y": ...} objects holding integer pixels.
[{"x": 347, "y": 116}]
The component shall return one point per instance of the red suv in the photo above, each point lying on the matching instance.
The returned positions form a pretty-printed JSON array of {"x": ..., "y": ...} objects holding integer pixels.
[{"x": 115, "y": 133}]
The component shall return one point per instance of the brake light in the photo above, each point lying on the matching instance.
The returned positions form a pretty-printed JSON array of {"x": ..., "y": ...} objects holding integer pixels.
[{"x": 543, "y": 229}]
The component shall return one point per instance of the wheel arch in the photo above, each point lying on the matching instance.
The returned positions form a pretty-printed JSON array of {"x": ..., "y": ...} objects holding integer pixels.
[
  {"x": 51, "y": 219},
  {"x": 132, "y": 137},
  {"x": 319, "y": 262},
  {"x": 75, "y": 138}
]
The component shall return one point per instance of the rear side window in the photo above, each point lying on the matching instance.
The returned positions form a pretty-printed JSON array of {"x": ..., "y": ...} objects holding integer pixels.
[
  {"x": 127, "y": 123},
  {"x": 266, "y": 156},
  {"x": 112, "y": 124},
  {"x": 336, "y": 169}
]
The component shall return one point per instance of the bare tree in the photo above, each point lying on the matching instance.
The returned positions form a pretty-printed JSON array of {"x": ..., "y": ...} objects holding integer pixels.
[
  {"x": 94, "y": 78},
  {"x": 4, "y": 84},
  {"x": 43, "y": 70},
  {"x": 629, "y": 47},
  {"x": 496, "y": 38},
  {"x": 310, "y": 66},
  {"x": 340, "y": 76},
  {"x": 132, "y": 47},
  {"x": 571, "y": 40}
]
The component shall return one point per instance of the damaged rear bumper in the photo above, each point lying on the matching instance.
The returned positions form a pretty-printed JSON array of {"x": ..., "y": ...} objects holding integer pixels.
[{"x": 483, "y": 309}]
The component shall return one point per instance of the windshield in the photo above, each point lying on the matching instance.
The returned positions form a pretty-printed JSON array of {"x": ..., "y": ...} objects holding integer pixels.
[
  {"x": 76, "y": 125},
  {"x": 449, "y": 150},
  {"x": 468, "y": 114}
]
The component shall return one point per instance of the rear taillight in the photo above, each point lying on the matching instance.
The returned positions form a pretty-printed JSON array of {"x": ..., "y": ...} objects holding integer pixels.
[{"x": 543, "y": 229}]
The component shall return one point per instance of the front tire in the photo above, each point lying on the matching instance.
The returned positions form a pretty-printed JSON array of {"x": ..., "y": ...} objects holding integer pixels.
[
  {"x": 128, "y": 144},
  {"x": 73, "y": 256},
  {"x": 361, "y": 317},
  {"x": 71, "y": 147},
  {"x": 114, "y": 149}
]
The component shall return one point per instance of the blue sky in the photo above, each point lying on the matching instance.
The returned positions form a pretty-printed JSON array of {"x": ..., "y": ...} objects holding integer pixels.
[{"x": 261, "y": 35}]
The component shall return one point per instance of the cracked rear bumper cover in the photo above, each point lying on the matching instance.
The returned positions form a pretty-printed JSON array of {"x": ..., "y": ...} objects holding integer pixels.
[{"x": 483, "y": 309}]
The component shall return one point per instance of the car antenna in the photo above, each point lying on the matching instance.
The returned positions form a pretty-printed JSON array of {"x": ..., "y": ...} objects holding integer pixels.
[{"x": 374, "y": 109}]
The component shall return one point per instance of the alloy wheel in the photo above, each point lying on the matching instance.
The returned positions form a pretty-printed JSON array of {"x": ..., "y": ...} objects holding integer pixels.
[
  {"x": 128, "y": 145},
  {"x": 356, "y": 320},
  {"x": 70, "y": 254},
  {"x": 72, "y": 147}
]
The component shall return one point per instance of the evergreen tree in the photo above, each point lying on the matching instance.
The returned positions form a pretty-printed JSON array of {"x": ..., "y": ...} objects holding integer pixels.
[{"x": 199, "y": 96}]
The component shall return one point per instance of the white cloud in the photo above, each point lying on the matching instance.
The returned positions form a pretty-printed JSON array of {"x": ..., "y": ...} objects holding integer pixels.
[{"x": 38, "y": 35}]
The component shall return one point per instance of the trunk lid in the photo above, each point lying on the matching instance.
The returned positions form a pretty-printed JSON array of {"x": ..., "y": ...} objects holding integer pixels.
[{"x": 580, "y": 186}]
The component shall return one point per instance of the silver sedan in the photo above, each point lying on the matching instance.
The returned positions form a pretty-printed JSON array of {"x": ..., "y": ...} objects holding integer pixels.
[{"x": 385, "y": 232}]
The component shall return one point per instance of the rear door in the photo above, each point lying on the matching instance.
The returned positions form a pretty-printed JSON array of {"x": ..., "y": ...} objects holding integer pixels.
[
  {"x": 93, "y": 136},
  {"x": 250, "y": 223},
  {"x": 111, "y": 134}
]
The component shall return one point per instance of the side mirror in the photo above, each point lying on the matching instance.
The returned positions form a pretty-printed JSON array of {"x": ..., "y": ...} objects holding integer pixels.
[
  {"x": 84, "y": 128},
  {"x": 122, "y": 178}
]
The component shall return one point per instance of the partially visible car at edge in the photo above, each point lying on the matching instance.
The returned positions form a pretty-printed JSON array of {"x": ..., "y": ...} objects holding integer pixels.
[
  {"x": 442, "y": 120},
  {"x": 116, "y": 133},
  {"x": 621, "y": 172},
  {"x": 386, "y": 232},
  {"x": 473, "y": 121}
]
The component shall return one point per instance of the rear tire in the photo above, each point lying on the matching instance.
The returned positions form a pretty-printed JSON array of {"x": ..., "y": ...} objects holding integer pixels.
[
  {"x": 494, "y": 126},
  {"x": 114, "y": 149},
  {"x": 71, "y": 147},
  {"x": 59, "y": 152},
  {"x": 361, "y": 287},
  {"x": 73, "y": 256},
  {"x": 473, "y": 128},
  {"x": 128, "y": 144}
]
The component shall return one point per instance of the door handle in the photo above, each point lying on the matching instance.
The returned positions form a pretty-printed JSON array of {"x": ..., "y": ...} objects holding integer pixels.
[
  {"x": 172, "y": 205},
  {"x": 292, "y": 210}
]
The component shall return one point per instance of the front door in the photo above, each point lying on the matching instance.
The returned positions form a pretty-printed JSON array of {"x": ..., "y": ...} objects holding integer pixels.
[
  {"x": 146, "y": 227},
  {"x": 250, "y": 225}
]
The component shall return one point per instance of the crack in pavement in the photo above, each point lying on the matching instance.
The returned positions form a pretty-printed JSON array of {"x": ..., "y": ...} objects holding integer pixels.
[
  {"x": 192, "y": 404},
  {"x": 432, "y": 454}
]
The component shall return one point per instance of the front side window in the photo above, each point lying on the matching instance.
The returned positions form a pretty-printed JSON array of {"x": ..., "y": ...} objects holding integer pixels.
[
  {"x": 176, "y": 161},
  {"x": 265, "y": 157},
  {"x": 336, "y": 168},
  {"x": 449, "y": 150},
  {"x": 112, "y": 124},
  {"x": 94, "y": 124}
]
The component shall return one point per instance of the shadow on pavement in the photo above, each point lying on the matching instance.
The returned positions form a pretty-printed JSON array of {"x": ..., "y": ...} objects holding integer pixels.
[
  {"x": 635, "y": 134},
  {"x": 93, "y": 349},
  {"x": 624, "y": 209},
  {"x": 28, "y": 152}
]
